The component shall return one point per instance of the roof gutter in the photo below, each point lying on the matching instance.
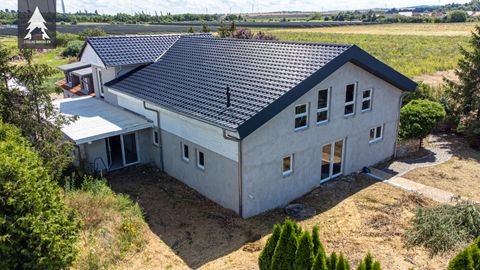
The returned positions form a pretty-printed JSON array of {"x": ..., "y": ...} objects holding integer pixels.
[{"x": 160, "y": 140}]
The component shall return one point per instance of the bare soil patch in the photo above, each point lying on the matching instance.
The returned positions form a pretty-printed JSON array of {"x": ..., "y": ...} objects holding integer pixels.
[
  {"x": 460, "y": 175},
  {"x": 356, "y": 215},
  {"x": 437, "y": 79}
]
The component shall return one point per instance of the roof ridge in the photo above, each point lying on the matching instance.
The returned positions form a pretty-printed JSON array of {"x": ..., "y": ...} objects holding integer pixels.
[
  {"x": 149, "y": 35},
  {"x": 275, "y": 41}
]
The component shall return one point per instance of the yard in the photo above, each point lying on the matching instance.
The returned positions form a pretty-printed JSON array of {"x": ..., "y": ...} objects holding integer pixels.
[
  {"x": 356, "y": 215},
  {"x": 460, "y": 175}
]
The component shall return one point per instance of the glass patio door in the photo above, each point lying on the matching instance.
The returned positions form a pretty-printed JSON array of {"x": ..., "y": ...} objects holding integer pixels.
[
  {"x": 332, "y": 160},
  {"x": 129, "y": 149}
]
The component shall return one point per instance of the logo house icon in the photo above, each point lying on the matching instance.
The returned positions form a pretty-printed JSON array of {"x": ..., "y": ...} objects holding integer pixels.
[{"x": 37, "y": 21}]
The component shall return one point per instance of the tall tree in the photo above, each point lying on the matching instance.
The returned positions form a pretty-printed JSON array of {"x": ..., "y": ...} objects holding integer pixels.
[{"x": 467, "y": 91}]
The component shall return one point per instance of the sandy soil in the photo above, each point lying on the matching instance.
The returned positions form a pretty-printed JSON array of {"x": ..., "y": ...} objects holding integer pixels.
[
  {"x": 436, "y": 79},
  {"x": 356, "y": 215},
  {"x": 460, "y": 175}
]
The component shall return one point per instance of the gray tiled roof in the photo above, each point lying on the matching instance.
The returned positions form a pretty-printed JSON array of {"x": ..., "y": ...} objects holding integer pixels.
[
  {"x": 136, "y": 49},
  {"x": 192, "y": 76}
]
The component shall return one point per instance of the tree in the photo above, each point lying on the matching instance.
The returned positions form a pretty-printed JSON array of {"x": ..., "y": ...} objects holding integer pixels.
[
  {"x": 304, "y": 255},
  {"x": 342, "y": 263},
  {"x": 284, "y": 254},
  {"x": 368, "y": 264},
  {"x": 36, "y": 116},
  {"x": 265, "y": 259},
  {"x": 73, "y": 48},
  {"x": 457, "y": 16},
  {"x": 320, "y": 262},
  {"x": 37, "y": 231},
  {"x": 317, "y": 244},
  {"x": 205, "y": 28},
  {"x": 332, "y": 261},
  {"x": 418, "y": 118},
  {"x": 243, "y": 33},
  {"x": 190, "y": 30},
  {"x": 91, "y": 32}
]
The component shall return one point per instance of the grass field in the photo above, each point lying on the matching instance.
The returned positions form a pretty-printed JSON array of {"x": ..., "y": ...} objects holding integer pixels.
[{"x": 412, "y": 55}]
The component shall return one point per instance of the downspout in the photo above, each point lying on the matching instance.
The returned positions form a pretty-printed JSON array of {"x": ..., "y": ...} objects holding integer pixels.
[
  {"x": 239, "y": 170},
  {"x": 398, "y": 124},
  {"x": 159, "y": 129}
]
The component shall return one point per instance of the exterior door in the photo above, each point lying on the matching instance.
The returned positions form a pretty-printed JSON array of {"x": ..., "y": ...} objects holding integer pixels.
[
  {"x": 129, "y": 149},
  {"x": 332, "y": 160}
]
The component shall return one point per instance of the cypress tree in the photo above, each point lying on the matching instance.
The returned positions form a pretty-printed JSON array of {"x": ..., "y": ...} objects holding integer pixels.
[
  {"x": 320, "y": 261},
  {"x": 368, "y": 264},
  {"x": 265, "y": 259},
  {"x": 342, "y": 264},
  {"x": 304, "y": 255},
  {"x": 376, "y": 266},
  {"x": 462, "y": 261},
  {"x": 284, "y": 254},
  {"x": 332, "y": 261},
  {"x": 317, "y": 244},
  {"x": 190, "y": 30}
]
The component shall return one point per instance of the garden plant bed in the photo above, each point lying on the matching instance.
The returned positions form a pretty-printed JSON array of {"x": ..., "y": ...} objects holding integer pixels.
[{"x": 356, "y": 215}]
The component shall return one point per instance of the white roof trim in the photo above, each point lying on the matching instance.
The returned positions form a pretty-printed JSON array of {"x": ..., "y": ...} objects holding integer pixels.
[{"x": 98, "y": 119}]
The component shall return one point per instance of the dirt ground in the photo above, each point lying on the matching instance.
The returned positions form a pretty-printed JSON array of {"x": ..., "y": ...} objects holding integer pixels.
[
  {"x": 356, "y": 215},
  {"x": 460, "y": 175},
  {"x": 436, "y": 79}
]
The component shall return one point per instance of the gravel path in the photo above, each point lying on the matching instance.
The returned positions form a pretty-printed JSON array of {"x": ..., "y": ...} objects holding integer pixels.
[{"x": 439, "y": 151}]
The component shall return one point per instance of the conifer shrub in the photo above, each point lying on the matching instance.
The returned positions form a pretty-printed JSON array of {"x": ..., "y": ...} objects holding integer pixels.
[
  {"x": 369, "y": 264},
  {"x": 265, "y": 259},
  {"x": 468, "y": 259},
  {"x": 284, "y": 254},
  {"x": 304, "y": 255}
]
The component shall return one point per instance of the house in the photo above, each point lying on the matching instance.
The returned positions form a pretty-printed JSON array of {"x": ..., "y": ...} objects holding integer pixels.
[
  {"x": 250, "y": 124},
  {"x": 78, "y": 80}
]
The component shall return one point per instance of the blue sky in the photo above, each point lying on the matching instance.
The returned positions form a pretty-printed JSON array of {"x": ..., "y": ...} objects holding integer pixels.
[{"x": 224, "y": 6}]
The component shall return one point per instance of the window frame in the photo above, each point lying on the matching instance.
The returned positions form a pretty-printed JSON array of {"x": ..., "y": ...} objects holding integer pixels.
[
  {"x": 200, "y": 166},
  {"x": 290, "y": 170},
  {"x": 182, "y": 150},
  {"x": 375, "y": 138},
  {"x": 370, "y": 99},
  {"x": 353, "y": 102},
  {"x": 326, "y": 109},
  {"x": 100, "y": 83},
  {"x": 305, "y": 114},
  {"x": 155, "y": 137}
]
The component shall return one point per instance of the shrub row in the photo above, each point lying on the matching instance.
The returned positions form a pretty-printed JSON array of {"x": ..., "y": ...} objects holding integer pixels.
[{"x": 290, "y": 248}]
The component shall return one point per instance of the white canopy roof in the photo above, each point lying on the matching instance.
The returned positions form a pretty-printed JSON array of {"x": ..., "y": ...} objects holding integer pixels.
[{"x": 98, "y": 119}]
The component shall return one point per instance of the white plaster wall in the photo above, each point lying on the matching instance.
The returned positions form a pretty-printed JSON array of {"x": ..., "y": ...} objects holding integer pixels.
[
  {"x": 265, "y": 188},
  {"x": 90, "y": 56}
]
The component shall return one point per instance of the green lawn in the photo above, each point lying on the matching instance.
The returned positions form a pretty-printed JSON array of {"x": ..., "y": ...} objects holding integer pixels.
[{"x": 412, "y": 55}]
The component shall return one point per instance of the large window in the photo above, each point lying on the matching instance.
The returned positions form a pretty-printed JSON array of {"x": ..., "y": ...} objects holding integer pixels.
[
  {"x": 350, "y": 99},
  {"x": 322, "y": 106},
  {"x": 185, "y": 152},
  {"x": 200, "y": 160},
  {"x": 376, "y": 134},
  {"x": 301, "y": 116},
  {"x": 287, "y": 165},
  {"x": 367, "y": 100}
]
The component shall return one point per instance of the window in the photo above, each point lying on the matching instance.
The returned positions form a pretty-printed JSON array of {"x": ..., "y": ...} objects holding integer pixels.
[
  {"x": 322, "y": 106},
  {"x": 100, "y": 82},
  {"x": 155, "y": 137},
  {"x": 185, "y": 153},
  {"x": 200, "y": 160},
  {"x": 287, "y": 165},
  {"x": 350, "y": 100},
  {"x": 301, "y": 116},
  {"x": 367, "y": 100},
  {"x": 376, "y": 134}
]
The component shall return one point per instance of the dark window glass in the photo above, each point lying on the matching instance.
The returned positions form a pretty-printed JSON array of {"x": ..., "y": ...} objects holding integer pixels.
[
  {"x": 366, "y": 93},
  {"x": 185, "y": 152},
  {"x": 322, "y": 99},
  {"x": 379, "y": 132},
  {"x": 372, "y": 134},
  {"x": 301, "y": 122},
  {"x": 322, "y": 116},
  {"x": 301, "y": 109},
  {"x": 366, "y": 105},
  {"x": 349, "y": 109},
  {"x": 201, "y": 159},
  {"x": 287, "y": 164},
  {"x": 350, "y": 93}
]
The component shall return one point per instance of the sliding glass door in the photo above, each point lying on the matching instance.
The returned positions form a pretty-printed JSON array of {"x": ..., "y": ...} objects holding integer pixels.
[
  {"x": 332, "y": 160},
  {"x": 130, "y": 151}
]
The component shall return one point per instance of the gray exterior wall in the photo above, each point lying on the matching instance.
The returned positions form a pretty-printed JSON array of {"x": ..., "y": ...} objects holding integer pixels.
[
  {"x": 264, "y": 186},
  {"x": 218, "y": 181}
]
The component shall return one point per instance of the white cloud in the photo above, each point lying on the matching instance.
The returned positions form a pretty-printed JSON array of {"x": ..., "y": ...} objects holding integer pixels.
[{"x": 224, "y": 6}]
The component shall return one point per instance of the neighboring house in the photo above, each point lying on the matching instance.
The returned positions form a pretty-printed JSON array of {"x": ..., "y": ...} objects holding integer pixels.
[
  {"x": 250, "y": 124},
  {"x": 78, "y": 80}
]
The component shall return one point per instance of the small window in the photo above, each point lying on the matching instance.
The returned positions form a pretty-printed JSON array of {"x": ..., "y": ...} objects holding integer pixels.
[
  {"x": 155, "y": 137},
  {"x": 322, "y": 106},
  {"x": 350, "y": 100},
  {"x": 100, "y": 82},
  {"x": 287, "y": 165},
  {"x": 200, "y": 160},
  {"x": 185, "y": 153},
  {"x": 301, "y": 116},
  {"x": 376, "y": 134},
  {"x": 367, "y": 100}
]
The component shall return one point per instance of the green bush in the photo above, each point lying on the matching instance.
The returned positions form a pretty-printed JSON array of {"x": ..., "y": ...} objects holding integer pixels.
[
  {"x": 73, "y": 48},
  {"x": 423, "y": 91},
  {"x": 471, "y": 131},
  {"x": 91, "y": 32},
  {"x": 64, "y": 38},
  {"x": 368, "y": 264},
  {"x": 457, "y": 16},
  {"x": 290, "y": 248},
  {"x": 419, "y": 117},
  {"x": 37, "y": 231},
  {"x": 468, "y": 259},
  {"x": 444, "y": 227}
]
